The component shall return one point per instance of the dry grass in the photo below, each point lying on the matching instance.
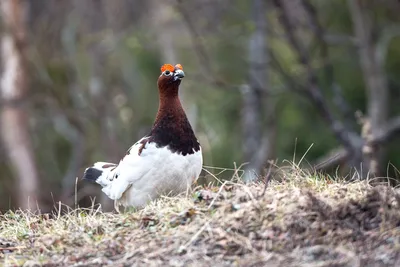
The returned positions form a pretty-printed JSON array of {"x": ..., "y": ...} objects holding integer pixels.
[{"x": 302, "y": 220}]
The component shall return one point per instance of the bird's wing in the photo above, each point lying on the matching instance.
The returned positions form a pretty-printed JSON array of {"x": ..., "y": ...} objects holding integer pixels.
[{"x": 139, "y": 160}]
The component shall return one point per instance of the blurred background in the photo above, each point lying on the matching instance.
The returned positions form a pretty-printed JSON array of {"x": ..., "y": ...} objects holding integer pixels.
[{"x": 266, "y": 81}]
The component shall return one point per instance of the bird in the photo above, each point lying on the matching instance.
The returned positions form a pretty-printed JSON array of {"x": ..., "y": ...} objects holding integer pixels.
[{"x": 166, "y": 161}]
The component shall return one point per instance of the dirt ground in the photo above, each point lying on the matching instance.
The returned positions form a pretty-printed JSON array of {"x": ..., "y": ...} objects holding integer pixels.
[{"x": 303, "y": 221}]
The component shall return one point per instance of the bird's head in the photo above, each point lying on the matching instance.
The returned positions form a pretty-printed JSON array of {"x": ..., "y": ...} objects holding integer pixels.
[{"x": 170, "y": 78}]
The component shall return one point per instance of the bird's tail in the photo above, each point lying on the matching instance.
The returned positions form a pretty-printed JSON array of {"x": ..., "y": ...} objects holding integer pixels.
[{"x": 101, "y": 173}]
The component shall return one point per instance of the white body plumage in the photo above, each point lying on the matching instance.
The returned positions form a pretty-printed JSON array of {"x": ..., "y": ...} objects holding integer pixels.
[{"x": 142, "y": 177}]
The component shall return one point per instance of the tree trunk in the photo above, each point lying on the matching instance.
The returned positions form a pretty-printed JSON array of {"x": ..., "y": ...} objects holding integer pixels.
[
  {"x": 376, "y": 85},
  {"x": 14, "y": 115},
  {"x": 255, "y": 143}
]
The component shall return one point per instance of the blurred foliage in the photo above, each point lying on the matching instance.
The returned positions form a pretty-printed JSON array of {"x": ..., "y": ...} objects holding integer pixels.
[{"x": 65, "y": 57}]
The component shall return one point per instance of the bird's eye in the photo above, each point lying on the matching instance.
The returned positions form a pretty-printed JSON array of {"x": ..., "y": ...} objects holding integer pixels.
[{"x": 167, "y": 72}]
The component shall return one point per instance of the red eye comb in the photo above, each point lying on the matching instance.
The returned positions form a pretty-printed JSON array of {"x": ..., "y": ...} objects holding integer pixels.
[
  {"x": 167, "y": 67},
  {"x": 178, "y": 66}
]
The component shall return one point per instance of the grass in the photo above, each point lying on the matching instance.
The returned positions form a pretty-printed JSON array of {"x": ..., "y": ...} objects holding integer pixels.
[{"x": 301, "y": 220}]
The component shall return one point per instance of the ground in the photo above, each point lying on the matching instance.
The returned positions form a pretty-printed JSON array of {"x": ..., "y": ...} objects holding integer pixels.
[{"x": 302, "y": 220}]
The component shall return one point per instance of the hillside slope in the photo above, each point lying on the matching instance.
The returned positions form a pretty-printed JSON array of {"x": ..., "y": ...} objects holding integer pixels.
[{"x": 300, "y": 221}]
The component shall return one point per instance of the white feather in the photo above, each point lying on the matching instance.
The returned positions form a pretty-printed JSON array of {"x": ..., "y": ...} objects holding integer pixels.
[
  {"x": 139, "y": 179},
  {"x": 107, "y": 173}
]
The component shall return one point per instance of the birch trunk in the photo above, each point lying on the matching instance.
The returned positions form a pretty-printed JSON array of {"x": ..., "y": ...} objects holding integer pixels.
[
  {"x": 375, "y": 83},
  {"x": 256, "y": 143},
  {"x": 14, "y": 115}
]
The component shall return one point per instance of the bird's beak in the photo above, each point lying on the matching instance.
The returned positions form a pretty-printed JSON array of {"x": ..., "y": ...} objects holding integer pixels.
[{"x": 179, "y": 74}]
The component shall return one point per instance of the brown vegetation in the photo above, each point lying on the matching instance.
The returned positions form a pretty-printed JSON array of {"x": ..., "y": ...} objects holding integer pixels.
[{"x": 300, "y": 221}]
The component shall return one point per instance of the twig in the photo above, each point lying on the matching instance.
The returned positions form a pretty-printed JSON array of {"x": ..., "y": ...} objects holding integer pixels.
[
  {"x": 386, "y": 133},
  {"x": 196, "y": 235},
  {"x": 217, "y": 195},
  {"x": 210, "y": 173},
  {"x": 332, "y": 158},
  {"x": 80, "y": 194},
  {"x": 59, "y": 210},
  {"x": 76, "y": 193},
  {"x": 267, "y": 180}
]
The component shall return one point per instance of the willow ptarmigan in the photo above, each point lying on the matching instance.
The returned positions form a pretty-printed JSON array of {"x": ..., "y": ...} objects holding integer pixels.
[{"x": 166, "y": 161}]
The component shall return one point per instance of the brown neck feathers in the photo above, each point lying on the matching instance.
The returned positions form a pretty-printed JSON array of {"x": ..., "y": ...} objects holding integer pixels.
[{"x": 171, "y": 127}]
